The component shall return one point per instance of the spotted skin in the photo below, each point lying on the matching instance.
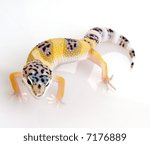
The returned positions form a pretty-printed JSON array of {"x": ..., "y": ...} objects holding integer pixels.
[
  {"x": 93, "y": 37},
  {"x": 45, "y": 47},
  {"x": 110, "y": 33},
  {"x": 106, "y": 34},
  {"x": 132, "y": 53},
  {"x": 72, "y": 44},
  {"x": 123, "y": 41},
  {"x": 36, "y": 67},
  {"x": 37, "y": 76},
  {"x": 72, "y": 49},
  {"x": 99, "y": 30}
]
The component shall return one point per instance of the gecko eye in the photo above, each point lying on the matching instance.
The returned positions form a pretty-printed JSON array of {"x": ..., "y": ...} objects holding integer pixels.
[
  {"x": 29, "y": 81},
  {"x": 47, "y": 84}
]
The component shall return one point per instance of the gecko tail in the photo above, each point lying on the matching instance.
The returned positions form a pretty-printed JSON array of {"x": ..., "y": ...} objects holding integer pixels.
[
  {"x": 132, "y": 57},
  {"x": 108, "y": 35}
]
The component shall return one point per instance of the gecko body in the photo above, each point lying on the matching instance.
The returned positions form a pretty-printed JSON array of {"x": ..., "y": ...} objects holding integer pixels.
[{"x": 47, "y": 55}]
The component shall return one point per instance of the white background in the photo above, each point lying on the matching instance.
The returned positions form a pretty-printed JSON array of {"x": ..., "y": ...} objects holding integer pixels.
[{"x": 25, "y": 23}]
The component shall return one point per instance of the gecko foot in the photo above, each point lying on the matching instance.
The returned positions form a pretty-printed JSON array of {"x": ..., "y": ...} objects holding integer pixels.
[
  {"x": 20, "y": 96},
  {"x": 108, "y": 83},
  {"x": 53, "y": 100}
]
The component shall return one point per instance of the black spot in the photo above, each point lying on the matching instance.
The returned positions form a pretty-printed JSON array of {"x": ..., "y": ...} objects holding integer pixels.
[
  {"x": 133, "y": 51},
  {"x": 25, "y": 68},
  {"x": 46, "y": 68},
  {"x": 93, "y": 37},
  {"x": 40, "y": 45},
  {"x": 36, "y": 72},
  {"x": 120, "y": 43},
  {"x": 28, "y": 81},
  {"x": 86, "y": 41},
  {"x": 124, "y": 38},
  {"x": 42, "y": 71},
  {"x": 41, "y": 76},
  {"x": 40, "y": 64},
  {"x": 36, "y": 66},
  {"x": 44, "y": 48},
  {"x": 71, "y": 47},
  {"x": 98, "y": 29},
  {"x": 110, "y": 30},
  {"x": 39, "y": 86},
  {"x": 110, "y": 33},
  {"x": 132, "y": 64},
  {"x": 42, "y": 80}
]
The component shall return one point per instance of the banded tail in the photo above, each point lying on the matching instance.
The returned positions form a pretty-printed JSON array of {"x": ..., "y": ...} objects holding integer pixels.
[{"x": 105, "y": 34}]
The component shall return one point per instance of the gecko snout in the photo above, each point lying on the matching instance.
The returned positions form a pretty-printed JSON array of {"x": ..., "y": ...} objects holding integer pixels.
[{"x": 38, "y": 91}]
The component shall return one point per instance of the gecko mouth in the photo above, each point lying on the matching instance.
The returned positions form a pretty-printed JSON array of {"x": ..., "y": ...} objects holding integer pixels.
[{"x": 37, "y": 96}]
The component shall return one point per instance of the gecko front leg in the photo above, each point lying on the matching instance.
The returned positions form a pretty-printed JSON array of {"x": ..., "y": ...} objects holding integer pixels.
[
  {"x": 13, "y": 79},
  {"x": 95, "y": 57},
  {"x": 61, "y": 85}
]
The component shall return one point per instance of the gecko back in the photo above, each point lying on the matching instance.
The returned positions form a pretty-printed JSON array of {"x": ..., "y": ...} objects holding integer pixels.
[{"x": 58, "y": 51}]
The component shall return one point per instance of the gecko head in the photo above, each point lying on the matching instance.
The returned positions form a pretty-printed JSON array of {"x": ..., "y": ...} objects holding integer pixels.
[{"x": 37, "y": 77}]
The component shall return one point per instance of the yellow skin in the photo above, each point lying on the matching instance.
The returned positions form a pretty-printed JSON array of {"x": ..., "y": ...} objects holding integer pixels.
[{"x": 59, "y": 55}]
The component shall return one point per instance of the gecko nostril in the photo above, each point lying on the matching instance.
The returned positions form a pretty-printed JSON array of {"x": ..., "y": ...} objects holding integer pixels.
[{"x": 39, "y": 86}]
